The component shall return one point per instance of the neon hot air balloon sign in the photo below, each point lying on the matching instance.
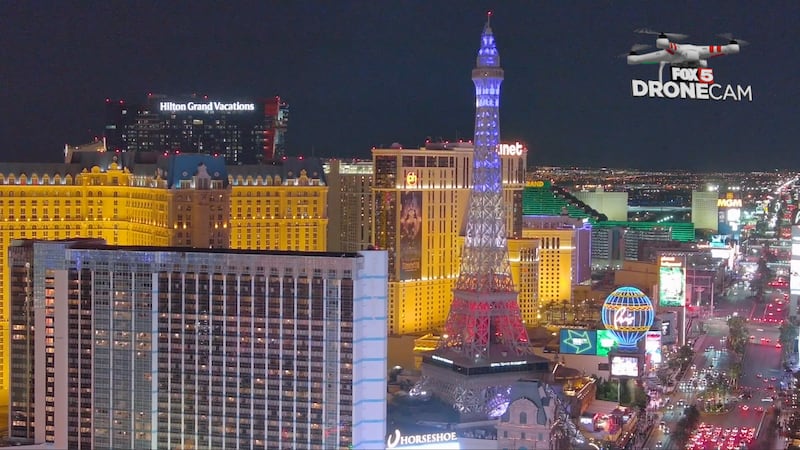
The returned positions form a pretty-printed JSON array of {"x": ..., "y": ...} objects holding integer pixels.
[{"x": 628, "y": 314}]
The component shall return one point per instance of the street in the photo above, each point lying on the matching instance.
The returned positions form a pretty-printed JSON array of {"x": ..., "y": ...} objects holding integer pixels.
[{"x": 762, "y": 374}]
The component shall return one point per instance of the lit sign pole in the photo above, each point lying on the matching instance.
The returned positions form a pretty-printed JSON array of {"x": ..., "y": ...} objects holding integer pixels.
[
  {"x": 794, "y": 280},
  {"x": 672, "y": 285}
]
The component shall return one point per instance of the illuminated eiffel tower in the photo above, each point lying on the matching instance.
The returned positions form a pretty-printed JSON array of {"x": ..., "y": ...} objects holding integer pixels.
[{"x": 484, "y": 349}]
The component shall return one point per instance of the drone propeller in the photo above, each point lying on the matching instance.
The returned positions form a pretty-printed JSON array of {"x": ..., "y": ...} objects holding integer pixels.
[
  {"x": 635, "y": 49},
  {"x": 661, "y": 34},
  {"x": 732, "y": 40}
]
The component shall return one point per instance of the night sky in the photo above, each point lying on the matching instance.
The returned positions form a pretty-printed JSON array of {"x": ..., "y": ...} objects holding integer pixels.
[{"x": 359, "y": 74}]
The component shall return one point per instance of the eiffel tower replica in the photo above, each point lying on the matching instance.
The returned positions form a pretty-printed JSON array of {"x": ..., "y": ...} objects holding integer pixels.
[{"x": 485, "y": 347}]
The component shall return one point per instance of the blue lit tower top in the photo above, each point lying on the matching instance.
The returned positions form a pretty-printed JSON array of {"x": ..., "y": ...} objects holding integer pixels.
[
  {"x": 488, "y": 55},
  {"x": 484, "y": 261}
]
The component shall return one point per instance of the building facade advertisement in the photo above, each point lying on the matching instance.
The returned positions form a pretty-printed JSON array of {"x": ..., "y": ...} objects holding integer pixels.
[
  {"x": 652, "y": 347},
  {"x": 624, "y": 366},
  {"x": 410, "y": 248},
  {"x": 578, "y": 342},
  {"x": 671, "y": 281},
  {"x": 605, "y": 342}
]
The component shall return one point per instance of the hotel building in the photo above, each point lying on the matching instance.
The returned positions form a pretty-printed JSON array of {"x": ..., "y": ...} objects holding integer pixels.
[
  {"x": 705, "y": 210},
  {"x": 564, "y": 258},
  {"x": 243, "y": 132},
  {"x": 613, "y": 204},
  {"x": 188, "y": 200},
  {"x": 350, "y": 198},
  {"x": 190, "y": 348},
  {"x": 419, "y": 201}
]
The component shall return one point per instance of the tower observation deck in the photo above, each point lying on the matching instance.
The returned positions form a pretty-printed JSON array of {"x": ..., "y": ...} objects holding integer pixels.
[{"x": 485, "y": 347}]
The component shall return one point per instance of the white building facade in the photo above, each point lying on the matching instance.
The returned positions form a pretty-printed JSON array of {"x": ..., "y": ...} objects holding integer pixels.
[{"x": 183, "y": 348}]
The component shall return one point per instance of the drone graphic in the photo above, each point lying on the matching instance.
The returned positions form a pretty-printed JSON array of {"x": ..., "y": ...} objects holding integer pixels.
[{"x": 680, "y": 55}]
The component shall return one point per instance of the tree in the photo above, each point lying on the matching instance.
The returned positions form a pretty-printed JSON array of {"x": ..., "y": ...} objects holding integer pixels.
[
  {"x": 686, "y": 425},
  {"x": 738, "y": 334},
  {"x": 789, "y": 332},
  {"x": 685, "y": 355},
  {"x": 762, "y": 276},
  {"x": 640, "y": 397},
  {"x": 548, "y": 309},
  {"x": 735, "y": 370}
]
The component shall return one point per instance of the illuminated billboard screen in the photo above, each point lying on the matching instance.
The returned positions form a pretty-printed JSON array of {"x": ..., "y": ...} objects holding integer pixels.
[
  {"x": 652, "y": 347},
  {"x": 605, "y": 342},
  {"x": 578, "y": 342},
  {"x": 794, "y": 263},
  {"x": 720, "y": 253},
  {"x": 624, "y": 366},
  {"x": 671, "y": 281},
  {"x": 410, "y": 249}
]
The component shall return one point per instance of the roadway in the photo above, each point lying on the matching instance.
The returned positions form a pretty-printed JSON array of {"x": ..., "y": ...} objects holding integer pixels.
[{"x": 761, "y": 358}]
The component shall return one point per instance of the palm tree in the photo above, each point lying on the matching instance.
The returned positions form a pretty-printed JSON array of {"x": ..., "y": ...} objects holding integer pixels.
[{"x": 547, "y": 310}]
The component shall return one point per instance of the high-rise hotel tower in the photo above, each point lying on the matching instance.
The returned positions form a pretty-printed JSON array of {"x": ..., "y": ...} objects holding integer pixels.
[
  {"x": 146, "y": 347},
  {"x": 186, "y": 200},
  {"x": 242, "y": 131},
  {"x": 420, "y": 198}
]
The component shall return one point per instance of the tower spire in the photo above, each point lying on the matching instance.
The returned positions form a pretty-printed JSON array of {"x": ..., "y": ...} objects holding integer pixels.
[
  {"x": 484, "y": 348},
  {"x": 484, "y": 316},
  {"x": 487, "y": 54}
]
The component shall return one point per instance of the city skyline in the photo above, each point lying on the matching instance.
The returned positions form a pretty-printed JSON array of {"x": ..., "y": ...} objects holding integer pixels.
[{"x": 359, "y": 75}]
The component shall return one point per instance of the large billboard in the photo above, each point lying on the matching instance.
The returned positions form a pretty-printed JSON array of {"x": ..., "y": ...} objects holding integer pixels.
[
  {"x": 652, "y": 347},
  {"x": 671, "y": 281},
  {"x": 605, "y": 342},
  {"x": 574, "y": 341},
  {"x": 624, "y": 366},
  {"x": 410, "y": 249},
  {"x": 794, "y": 271},
  {"x": 578, "y": 342}
]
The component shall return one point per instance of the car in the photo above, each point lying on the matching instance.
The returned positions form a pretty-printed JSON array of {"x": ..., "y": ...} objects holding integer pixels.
[
  {"x": 773, "y": 379},
  {"x": 744, "y": 407},
  {"x": 778, "y": 345},
  {"x": 758, "y": 375},
  {"x": 659, "y": 444}
]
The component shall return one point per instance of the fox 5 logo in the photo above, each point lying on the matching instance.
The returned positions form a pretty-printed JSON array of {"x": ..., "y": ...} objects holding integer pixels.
[{"x": 704, "y": 75}]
